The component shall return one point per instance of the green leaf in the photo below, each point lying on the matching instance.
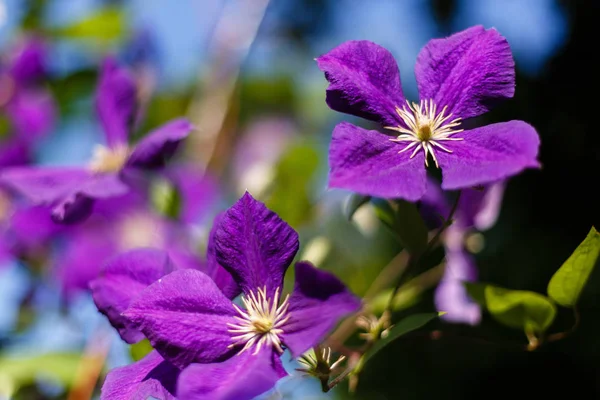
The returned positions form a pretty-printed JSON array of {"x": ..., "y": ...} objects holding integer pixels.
[
  {"x": 353, "y": 203},
  {"x": 568, "y": 282},
  {"x": 404, "y": 221},
  {"x": 519, "y": 309},
  {"x": 291, "y": 187},
  {"x": 407, "y": 325},
  {"x": 140, "y": 349},
  {"x": 16, "y": 372},
  {"x": 166, "y": 198},
  {"x": 107, "y": 24}
]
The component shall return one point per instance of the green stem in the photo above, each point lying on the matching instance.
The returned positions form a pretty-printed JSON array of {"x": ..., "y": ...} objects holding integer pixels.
[{"x": 416, "y": 258}]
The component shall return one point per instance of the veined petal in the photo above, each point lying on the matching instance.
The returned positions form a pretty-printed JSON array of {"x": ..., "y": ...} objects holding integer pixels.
[
  {"x": 318, "y": 302},
  {"x": 151, "y": 377},
  {"x": 222, "y": 278},
  {"x": 489, "y": 154},
  {"x": 468, "y": 72},
  {"x": 367, "y": 162},
  {"x": 255, "y": 245},
  {"x": 44, "y": 185},
  {"x": 184, "y": 315},
  {"x": 122, "y": 279},
  {"x": 159, "y": 145},
  {"x": 116, "y": 102},
  {"x": 242, "y": 377},
  {"x": 364, "y": 80},
  {"x": 451, "y": 295}
]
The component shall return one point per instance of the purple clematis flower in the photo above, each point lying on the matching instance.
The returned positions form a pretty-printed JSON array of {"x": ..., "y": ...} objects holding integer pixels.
[
  {"x": 477, "y": 210},
  {"x": 72, "y": 190},
  {"x": 231, "y": 351},
  {"x": 458, "y": 77},
  {"x": 29, "y": 108}
]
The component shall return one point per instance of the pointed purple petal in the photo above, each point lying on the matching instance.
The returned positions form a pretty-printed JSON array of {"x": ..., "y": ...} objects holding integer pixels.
[
  {"x": 367, "y": 162},
  {"x": 28, "y": 63},
  {"x": 242, "y": 377},
  {"x": 222, "y": 278},
  {"x": 185, "y": 317},
  {"x": 78, "y": 205},
  {"x": 488, "y": 154},
  {"x": 159, "y": 145},
  {"x": 318, "y": 302},
  {"x": 451, "y": 295},
  {"x": 32, "y": 114},
  {"x": 255, "y": 245},
  {"x": 123, "y": 278},
  {"x": 151, "y": 377},
  {"x": 364, "y": 80},
  {"x": 44, "y": 184},
  {"x": 469, "y": 71},
  {"x": 116, "y": 102}
]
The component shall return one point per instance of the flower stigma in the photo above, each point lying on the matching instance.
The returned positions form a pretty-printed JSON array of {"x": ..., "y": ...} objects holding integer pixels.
[
  {"x": 425, "y": 128},
  {"x": 260, "y": 324},
  {"x": 105, "y": 159}
]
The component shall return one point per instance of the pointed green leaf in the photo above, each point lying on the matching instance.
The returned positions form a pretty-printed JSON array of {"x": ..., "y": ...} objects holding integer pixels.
[
  {"x": 568, "y": 282},
  {"x": 407, "y": 325},
  {"x": 353, "y": 203},
  {"x": 16, "y": 372},
  {"x": 107, "y": 24},
  {"x": 520, "y": 309}
]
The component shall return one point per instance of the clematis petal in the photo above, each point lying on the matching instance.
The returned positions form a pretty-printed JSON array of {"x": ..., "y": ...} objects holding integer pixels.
[
  {"x": 451, "y": 295},
  {"x": 116, "y": 102},
  {"x": 184, "y": 315},
  {"x": 489, "y": 154},
  {"x": 469, "y": 72},
  {"x": 159, "y": 145},
  {"x": 242, "y": 377},
  {"x": 151, "y": 377},
  {"x": 367, "y": 162},
  {"x": 364, "y": 80},
  {"x": 14, "y": 152},
  {"x": 29, "y": 63},
  {"x": 44, "y": 185},
  {"x": 78, "y": 204},
  {"x": 318, "y": 302},
  {"x": 255, "y": 245},
  {"x": 222, "y": 278},
  {"x": 122, "y": 279},
  {"x": 32, "y": 114}
]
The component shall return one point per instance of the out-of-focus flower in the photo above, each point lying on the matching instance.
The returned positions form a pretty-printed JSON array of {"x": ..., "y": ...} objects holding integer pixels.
[
  {"x": 226, "y": 351},
  {"x": 28, "y": 108},
  {"x": 477, "y": 210},
  {"x": 71, "y": 191},
  {"x": 130, "y": 222},
  {"x": 459, "y": 77}
]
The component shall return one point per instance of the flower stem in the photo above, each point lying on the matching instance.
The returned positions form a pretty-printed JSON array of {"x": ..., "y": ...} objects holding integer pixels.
[{"x": 414, "y": 259}]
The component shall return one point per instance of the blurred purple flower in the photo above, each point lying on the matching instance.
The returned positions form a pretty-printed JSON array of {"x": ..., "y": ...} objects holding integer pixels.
[
  {"x": 226, "y": 351},
  {"x": 28, "y": 106},
  {"x": 459, "y": 77},
  {"x": 72, "y": 190},
  {"x": 477, "y": 209},
  {"x": 128, "y": 222}
]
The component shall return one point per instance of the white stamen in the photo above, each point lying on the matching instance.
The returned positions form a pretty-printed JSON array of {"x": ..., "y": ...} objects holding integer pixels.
[
  {"x": 425, "y": 128},
  {"x": 261, "y": 322},
  {"x": 105, "y": 159}
]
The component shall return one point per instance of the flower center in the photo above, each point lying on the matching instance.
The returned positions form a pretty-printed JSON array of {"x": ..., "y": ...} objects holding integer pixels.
[
  {"x": 260, "y": 324},
  {"x": 425, "y": 128},
  {"x": 105, "y": 159}
]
